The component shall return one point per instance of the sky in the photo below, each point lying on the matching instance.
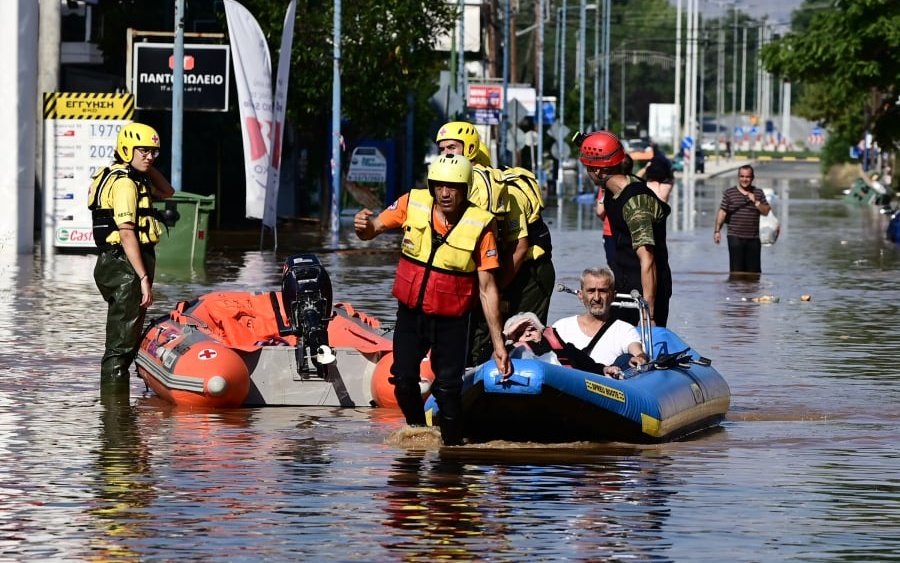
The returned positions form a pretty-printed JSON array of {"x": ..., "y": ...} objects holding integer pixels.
[{"x": 777, "y": 11}]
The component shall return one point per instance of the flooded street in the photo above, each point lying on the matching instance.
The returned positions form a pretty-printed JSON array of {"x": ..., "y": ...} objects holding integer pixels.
[{"x": 804, "y": 468}]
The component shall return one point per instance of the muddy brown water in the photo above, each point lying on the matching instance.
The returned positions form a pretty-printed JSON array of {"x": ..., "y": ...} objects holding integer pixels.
[{"x": 804, "y": 468}]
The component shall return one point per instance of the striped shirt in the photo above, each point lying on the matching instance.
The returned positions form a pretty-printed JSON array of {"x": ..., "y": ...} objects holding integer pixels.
[{"x": 740, "y": 214}]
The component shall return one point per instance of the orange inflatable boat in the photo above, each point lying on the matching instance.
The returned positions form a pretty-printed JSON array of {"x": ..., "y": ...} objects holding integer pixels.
[{"x": 290, "y": 348}]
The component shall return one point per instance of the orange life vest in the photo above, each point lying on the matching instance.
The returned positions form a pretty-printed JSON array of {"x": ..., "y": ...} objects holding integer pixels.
[{"x": 438, "y": 274}]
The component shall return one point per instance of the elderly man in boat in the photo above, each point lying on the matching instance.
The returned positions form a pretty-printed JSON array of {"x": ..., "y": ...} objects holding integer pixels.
[{"x": 595, "y": 332}]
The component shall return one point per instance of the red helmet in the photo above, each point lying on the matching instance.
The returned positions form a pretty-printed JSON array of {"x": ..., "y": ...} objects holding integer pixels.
[{"x": 601, "y": 149}]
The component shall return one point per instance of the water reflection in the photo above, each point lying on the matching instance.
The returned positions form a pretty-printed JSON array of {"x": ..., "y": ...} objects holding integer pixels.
[{"x": 124, "y": 483}]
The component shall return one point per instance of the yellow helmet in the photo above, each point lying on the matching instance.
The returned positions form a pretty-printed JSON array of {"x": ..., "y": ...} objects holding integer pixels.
[
  {"x": 483, "y": 156},
  {"x": 450, "y": 168},
  {"x": 461, "y": 131},
  {"x": 135, "y": 135}
]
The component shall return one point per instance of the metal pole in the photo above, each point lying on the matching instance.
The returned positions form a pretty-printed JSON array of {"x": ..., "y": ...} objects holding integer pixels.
[
  {"x": 336, "y": 123},
  {"x": 596, "y": 121},
  {"x": 582, "y": 30},
  {"x": 678, "y": 85},
  {"x": 734, "y": 59},
  {"x": 461, "y": 59},
  {"x": 622, "y": 97},
  {"x": 560, "y": 177},
  {"x": 177, "y": 94},
  {"x": 501, "y": 153},
  {"x": 537, "y": 163},
  {"x": 607, "y": 6},
  {"x": 744, "y": 72},
  {"x": 720, "y": 83}
]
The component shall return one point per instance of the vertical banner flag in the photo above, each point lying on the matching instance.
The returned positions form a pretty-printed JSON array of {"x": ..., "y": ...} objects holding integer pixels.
[
  {"x": 253, "y": 77},
  {"x": 281, "y": 88}
]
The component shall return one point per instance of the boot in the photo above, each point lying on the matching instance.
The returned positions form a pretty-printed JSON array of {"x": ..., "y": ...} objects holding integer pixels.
[
  {"x": 451, "y": 420},
  {"x": 409, "y": 398},
  {"x": 114, "y": 379}
]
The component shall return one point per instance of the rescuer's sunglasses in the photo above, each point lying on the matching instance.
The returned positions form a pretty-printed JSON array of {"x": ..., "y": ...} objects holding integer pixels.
[{"x": 145, "y": 152}]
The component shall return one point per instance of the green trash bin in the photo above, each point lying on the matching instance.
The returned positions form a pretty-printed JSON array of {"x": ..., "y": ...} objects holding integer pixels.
[{"x": 183, "y": 244}]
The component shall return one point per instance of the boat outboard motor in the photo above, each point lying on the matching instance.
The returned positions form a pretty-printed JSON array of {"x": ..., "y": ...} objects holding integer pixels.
[{"x": 306, "y": 290}]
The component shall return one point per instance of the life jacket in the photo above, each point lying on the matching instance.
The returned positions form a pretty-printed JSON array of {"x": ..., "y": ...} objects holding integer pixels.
[
  {"x": 106, "y": 231},
  {"x": 438, "y": 274},
  {"x": 627, "y": 266}
]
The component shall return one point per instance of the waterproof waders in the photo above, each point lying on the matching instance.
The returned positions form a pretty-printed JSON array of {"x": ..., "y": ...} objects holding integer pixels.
[{"x": 121, "y": 289}]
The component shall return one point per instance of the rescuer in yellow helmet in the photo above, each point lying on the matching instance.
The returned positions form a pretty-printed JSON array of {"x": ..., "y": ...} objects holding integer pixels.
[{"x": 126, "y": 230}]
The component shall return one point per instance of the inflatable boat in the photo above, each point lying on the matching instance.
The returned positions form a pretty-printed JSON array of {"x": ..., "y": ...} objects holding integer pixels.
[
  {"x": 674, "y": 395},
  {"x": 287, "y": 348}
]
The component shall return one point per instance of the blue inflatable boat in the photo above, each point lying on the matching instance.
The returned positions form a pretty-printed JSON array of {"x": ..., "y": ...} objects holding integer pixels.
[{"x": 676, "y": 394}]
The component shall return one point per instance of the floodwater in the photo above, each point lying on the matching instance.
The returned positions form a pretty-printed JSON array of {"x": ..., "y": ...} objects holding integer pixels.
[{"x": 804, "y": 468}]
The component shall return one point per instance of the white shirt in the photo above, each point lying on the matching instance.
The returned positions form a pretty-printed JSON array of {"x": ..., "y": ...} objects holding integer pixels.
[{"x": 612, "y": 344}]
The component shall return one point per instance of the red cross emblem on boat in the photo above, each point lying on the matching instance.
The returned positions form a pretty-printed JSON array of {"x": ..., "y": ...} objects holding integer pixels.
[{"x": 207, "y": 354}]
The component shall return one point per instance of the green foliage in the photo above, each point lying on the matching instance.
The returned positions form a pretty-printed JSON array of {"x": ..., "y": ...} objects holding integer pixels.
[
  {"x": 386, "y": 52},
  {"x": 846, "y": 57}
]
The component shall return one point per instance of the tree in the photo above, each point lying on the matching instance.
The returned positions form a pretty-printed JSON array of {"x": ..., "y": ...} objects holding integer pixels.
[
  {"x": 845, "y": 54},
  {"x": 387, "y": 51}
]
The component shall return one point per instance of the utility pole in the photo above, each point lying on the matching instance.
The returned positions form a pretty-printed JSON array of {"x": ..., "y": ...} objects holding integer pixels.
[
  {"x": 607, "y": 7},
  {"x": 512, "y": 11},
  {"x": 744, "y": 72},
  {"x": 336, "y": 177},
  {"x": 177, "y": 94},
  {"x": 720, "y": 82},
  {"x": 48, "y": 76},
  {"x": 538, "y": 164},
  {"x": 734, "y": 58},
  {"x": 677, "y": 75},
  {"x": 596, "y": 122},
  {"x": 504, "y": 122},
  {"x": 560, "y": 175},
  {"x": 582, "y": 43}
]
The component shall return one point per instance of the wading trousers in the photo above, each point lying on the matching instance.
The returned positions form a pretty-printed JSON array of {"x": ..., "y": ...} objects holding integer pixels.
[
  {"x": 414, "y": 334},
  {"x": 121, "y": 289}
]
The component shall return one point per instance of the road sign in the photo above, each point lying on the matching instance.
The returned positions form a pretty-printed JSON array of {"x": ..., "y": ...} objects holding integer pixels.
[
  {"x": 367, "y": 164},
  {"x": 566, "y": 150},
  {"x": 515, "y": 139},
  {"x": 549, "y": 112},
  {"x": 687, "y": 143},
  {"x": 558, "y": 130}
]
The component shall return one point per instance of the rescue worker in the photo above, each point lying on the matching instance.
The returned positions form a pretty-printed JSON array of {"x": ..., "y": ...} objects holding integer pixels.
[
  {"x": 514, "y": 197},
  {"x": 126, "y": 230},
  {"x": 638, "y": 220},
  {"x": 448, "y": 262}
]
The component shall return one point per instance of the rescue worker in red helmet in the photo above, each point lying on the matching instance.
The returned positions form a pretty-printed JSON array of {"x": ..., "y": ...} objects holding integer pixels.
[
  {"x": 448, "y": 262},
  {"x": 126, "y": 230},
  {"x": 638, "y": 220}
]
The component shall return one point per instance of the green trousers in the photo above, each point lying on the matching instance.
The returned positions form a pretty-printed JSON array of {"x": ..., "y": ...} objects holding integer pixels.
[
  {"x": 530, "y": 291},
  {"x": 121, "y": 289}
]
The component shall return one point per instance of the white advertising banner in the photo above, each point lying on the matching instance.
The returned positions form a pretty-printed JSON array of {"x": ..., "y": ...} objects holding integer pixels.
[
  {"x": 253, "y": 77},
  {"x": 281, "y": 89}
]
